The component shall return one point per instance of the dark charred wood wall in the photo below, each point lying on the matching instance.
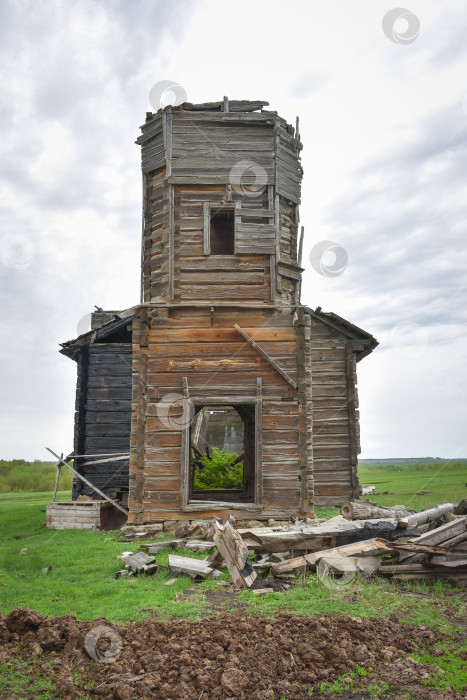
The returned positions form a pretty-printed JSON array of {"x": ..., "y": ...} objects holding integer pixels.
[{"x": 103, "y": 415}]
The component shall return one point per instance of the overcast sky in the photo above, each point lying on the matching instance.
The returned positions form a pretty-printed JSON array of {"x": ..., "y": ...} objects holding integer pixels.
[{"x": 382, "y": 101}]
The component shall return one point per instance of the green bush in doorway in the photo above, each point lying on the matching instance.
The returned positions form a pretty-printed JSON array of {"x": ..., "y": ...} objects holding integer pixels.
[{"x": 219, "y": 471}]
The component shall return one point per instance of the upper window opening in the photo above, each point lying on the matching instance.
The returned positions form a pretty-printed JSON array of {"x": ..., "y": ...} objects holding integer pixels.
[{"x": 222, "y": 232}]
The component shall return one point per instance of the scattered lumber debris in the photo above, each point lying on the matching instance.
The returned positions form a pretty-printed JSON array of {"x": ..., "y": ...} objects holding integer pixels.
[
  {"x": 366, "y": 510},
  {"x": 235, "y": 552},
  {"x": 426, "y": 516},
  {"x": 193, "y": 544},
  {"x": 123, "y": 572},
  {"x": 435, "y": 554},
  {"x": 333, "y": 533},
  {"x": 195, "y": 568},
  {"x": 461, "y": 509},
  {"x": 397, "y": 543},
  {"x": 199, "y": 545},
  {"x": 139, "y": 563},
  {"x": 298, "y": 564},
  {"x": 187, "y": 530},
  {"x": 443, "y": 533},
  {"x": 156, "y": 547},
  {"x": 216, "y": 559}
]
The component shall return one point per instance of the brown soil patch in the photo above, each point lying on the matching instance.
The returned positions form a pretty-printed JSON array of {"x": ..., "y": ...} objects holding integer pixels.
[{"x": 219, "y": 658}]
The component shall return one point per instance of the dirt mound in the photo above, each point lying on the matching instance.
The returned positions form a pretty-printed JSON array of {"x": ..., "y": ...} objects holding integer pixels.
[{"x": 219, "y": 658}]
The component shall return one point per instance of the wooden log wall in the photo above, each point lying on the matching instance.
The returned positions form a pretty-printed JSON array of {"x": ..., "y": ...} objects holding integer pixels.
[
  {"x": 251, "y": 160},
  {"x": 335, "y": 416},
  {"x": 103, "y": 413},
  {"x": 204, "y": 347},
  {"x": 206, "y": 147},
  {"x": 155, "y": 254}
]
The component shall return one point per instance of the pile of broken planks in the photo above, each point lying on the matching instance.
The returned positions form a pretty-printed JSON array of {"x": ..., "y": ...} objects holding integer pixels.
[
  {"x": 436, "y": 547},
  {"x": 392, "y": 542}
]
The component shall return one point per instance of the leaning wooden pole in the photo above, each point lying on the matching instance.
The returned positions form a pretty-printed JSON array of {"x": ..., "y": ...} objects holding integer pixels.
[
  {"x": 57, "y": 477},
  {"x": 80, "y": 476},
  {"x": 265, "y": 356}
]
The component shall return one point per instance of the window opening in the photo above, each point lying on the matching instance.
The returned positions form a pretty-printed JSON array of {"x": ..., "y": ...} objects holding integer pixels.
[
  {"x": 222, "y": 453},
  {"x": 222, "y": 232}
]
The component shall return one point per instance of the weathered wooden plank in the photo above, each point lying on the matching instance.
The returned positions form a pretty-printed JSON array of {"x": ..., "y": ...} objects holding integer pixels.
[
  {"x": 195, "y": 568},
  {"x": 235, "y": 553},
  {"x": 426, "y": 516},
  {"x": 443, "y": 533}
]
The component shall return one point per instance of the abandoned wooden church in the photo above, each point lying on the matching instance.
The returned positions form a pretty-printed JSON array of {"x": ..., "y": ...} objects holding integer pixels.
[{"x": 219, "y": 353}]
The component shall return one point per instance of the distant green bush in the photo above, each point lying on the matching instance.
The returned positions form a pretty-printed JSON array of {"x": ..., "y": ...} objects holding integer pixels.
[
  {"x": 19, "y": 475},
  {"x": 219, "y": 471}
]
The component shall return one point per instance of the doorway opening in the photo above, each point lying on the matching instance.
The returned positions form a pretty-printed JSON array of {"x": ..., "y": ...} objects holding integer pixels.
[{"x": 222, "y": 453}]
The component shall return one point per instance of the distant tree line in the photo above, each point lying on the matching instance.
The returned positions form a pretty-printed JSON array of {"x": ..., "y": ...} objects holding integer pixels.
[
  {"x": 17, "y": 475},
  {"x": 411, "y": 466}
]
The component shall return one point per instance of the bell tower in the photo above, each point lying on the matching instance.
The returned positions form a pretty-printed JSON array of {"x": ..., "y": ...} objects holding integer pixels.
[
  {"x": 221, "y": 195},
  {"x": 220, "y": 355},
  {"x": 220, "y": 334}
]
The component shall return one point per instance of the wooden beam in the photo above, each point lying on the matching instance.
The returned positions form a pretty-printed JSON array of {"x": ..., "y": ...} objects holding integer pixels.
[
  {"x": 102, "y": 461},
  {"x": 57, "y": 476},
  {"x": 259, "y": 442},
  {"x": 265, "y": 356},
  {"x": 371, "y": 547},
  {"x": 442, "y": 533},
  {"x": 364, "y": 510},
  {"x": 235, "y": 553},
  {"x": 226, "y": 104},
  {"x": 185, "y": 486},
  {"x": 206, "y": 226},
  {"x": 425, "y": 516},
  {"x": 278, "y": 233},
  {"x": 80, "y": 476},
  {"x": 190, "y": 567},
  {"x": 300, "y": 247},
  {"x": 171, "y": 243},
  {"x": 272, "y": 276}
]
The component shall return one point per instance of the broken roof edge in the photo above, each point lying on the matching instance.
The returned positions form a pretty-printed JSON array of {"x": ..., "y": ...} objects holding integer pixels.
[
  {"x": 237, "y": 109},
  {"x": 70, "y": 347},
  {"x": 217, "y": 106},
  {"x": 353, "y": 332}
]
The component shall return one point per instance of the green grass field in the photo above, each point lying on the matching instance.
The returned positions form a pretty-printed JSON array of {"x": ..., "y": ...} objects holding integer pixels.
[
  {"x": 82, "y": 582},
  {"x": 82, "y": 579},
  {"x": 417, "y": 486}
]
